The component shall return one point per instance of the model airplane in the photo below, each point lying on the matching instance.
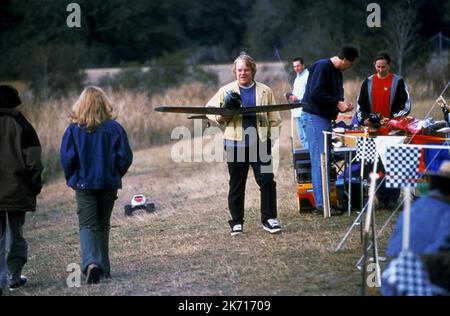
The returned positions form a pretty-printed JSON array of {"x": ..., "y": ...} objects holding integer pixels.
[{"x": 232, "y": 106}]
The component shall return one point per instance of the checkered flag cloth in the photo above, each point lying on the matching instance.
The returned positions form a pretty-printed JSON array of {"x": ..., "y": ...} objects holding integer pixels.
[
  {"x": 406, "y": 276},
  {"x": 402, "y": 165},
  {"x": 370, "y": 153}
]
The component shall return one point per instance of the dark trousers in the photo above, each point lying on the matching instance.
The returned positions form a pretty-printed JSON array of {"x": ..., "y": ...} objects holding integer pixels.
[
  {"x": 239, "y": 161},
  {"x": 12, "y": 261},
  {"x": 94, "y": 216}
]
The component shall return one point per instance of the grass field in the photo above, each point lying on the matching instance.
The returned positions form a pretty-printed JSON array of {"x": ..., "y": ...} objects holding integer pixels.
[{"x": 185, "y": 247}]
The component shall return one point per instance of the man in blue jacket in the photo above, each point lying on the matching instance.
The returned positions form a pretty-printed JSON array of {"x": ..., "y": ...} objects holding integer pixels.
[{"x": 324, "y": 99}]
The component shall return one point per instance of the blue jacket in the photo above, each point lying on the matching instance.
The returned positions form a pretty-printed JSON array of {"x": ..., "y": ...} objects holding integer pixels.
[
  {"x": 429, "y": 228},
  {"x": 324, "y": 90},
  {"x": 97, "y": 159}
]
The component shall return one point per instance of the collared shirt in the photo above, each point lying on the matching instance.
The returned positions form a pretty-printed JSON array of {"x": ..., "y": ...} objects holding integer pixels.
[{"x": 299, "y": 90}]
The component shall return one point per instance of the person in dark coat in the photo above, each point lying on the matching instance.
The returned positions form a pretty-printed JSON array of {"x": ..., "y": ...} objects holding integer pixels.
[
  {"x": 95, "y": 155},
  {"x": 323, "y": 101},
  {"x": 20, "y": 174}
]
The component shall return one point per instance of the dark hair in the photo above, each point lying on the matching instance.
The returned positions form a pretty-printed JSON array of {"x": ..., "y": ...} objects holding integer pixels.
[
  {"x": 9, "y": 97},
  {"x": 348, "y": 52},
  {"x": 299, "y": 59},
  {"x": 383, "y": 55}
]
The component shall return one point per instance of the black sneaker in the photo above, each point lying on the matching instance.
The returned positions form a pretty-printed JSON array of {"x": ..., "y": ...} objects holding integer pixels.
[
  {"x": 14, "y": 285},
  {"x": 272, "y": 226},
  {"x": 93, "y": 274},
  {"x": 237, "y": 229}
]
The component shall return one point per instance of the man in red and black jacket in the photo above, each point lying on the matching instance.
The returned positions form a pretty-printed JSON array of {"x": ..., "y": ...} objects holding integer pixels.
[{"x": 383, "y": 92}]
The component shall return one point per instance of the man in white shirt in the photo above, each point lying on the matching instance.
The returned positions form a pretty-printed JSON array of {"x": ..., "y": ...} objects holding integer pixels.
[{"x": 297, "y": 96}]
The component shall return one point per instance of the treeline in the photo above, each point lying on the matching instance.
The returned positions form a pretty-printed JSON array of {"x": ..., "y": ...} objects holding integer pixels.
[{"x": 38, "y": 47}]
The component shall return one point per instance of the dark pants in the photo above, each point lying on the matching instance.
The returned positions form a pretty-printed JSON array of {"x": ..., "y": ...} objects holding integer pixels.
[
  {"x": 239, "y": 161},
  {"x": 94, "y": 215},
  {"x": 12, "y": 262}
]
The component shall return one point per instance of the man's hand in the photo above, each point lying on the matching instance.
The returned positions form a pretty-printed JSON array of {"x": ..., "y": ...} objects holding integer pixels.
[
  {"x": 441, "y": 102},
  {"x": 291, "y": 98},
  {"x": 222, "y": 119},
  {"x": 345, "y": 107},
  {"x": 384, "y": 120}
]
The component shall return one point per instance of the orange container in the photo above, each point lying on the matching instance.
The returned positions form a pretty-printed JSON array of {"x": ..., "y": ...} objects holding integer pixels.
[{"x": 305, "y": 197}]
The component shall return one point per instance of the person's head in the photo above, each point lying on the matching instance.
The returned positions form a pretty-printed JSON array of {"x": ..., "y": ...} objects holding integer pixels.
[
  {"x": 92, "y": 108},
  {"x": 9, "y": 97},
  {"x": 244, "y": 69},
  {"x": 348, "y": 56},
  {"x": 298, "y": 64},
  {"x": 440, "y": 180},
  {"x": 382, "y": 64}
]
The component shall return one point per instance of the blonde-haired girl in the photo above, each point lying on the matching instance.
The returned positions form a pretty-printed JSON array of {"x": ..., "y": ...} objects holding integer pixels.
[{"x": 95, "y": 155}]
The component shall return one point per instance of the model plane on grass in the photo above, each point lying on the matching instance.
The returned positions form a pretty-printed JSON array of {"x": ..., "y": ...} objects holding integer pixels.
[{"x": 232, "y": 106}]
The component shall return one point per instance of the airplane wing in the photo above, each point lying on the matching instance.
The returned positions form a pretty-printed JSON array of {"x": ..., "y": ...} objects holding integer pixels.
[{"x": 203, "y": 110}]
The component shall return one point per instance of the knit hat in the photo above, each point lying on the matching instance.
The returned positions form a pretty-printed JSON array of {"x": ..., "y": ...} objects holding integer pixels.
[{"x": 9, "y": 97}]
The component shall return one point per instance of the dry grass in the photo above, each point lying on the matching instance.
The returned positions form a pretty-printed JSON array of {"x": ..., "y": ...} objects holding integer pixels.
[
  {"x": 185, "y": 247},
  {"x": 147, "y": 128},
  {"x": 135, "y": 111}
]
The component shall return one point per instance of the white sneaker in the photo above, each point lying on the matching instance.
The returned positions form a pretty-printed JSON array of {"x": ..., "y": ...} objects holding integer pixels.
[
  {"x": 272, "y": 226},
  {"x": 237, "y": 229}
]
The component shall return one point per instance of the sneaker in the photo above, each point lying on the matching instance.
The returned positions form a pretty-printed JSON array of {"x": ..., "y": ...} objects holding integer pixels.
[
  {"x": 17, "y": 284},
  {"x": 93, "y": 274},
  {"x": 237, "y": 229},
  {"x": 272, "y": 225}
]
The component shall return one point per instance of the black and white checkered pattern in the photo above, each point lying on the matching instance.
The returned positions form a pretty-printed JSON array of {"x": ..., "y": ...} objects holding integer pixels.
[
  {"x": 402, "y": 165},
  {"x": 370, "y": 152},
  {"x": 406, "y": 276}
]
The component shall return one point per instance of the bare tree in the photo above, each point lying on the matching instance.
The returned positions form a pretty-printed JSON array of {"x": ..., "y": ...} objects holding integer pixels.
[{"x": 401, "y": 27}]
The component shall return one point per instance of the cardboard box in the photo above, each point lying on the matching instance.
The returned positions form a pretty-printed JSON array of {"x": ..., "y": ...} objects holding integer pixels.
[{"x": 351, "y": 141}]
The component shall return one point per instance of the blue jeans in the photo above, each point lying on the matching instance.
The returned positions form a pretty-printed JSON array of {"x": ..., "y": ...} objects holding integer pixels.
[
  {"x": 301, "y": 133},
  {"x": 314, "y": 125},
  {"x": 12, "y": 261}
]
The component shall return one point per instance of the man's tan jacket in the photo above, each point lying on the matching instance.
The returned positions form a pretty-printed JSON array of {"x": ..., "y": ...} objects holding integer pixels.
[{"x": 268, "y": 123}]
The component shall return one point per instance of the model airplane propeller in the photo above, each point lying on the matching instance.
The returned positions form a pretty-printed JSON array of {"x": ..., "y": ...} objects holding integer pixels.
[{"x": 232, "y": 106}]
